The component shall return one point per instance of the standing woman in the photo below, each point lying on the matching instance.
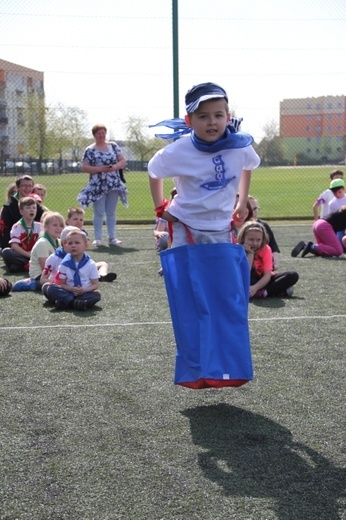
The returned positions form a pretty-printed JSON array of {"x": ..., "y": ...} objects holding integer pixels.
[{"x": 103, "y": 160}]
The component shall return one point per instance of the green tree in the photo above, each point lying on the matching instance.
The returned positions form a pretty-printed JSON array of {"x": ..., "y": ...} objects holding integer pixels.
[
  {"x": 35, "y": 127},
  {"x": 138, "y": 141},
  {"x": 66, "y": 132},
  {"x": 270, "y": 149}
]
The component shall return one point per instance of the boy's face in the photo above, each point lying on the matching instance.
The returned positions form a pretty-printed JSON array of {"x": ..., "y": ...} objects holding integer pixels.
[
  {"x": 76, "y": 245},
  {"x": 25, "y": 188},
  {"x": 29, "y": 212},
  {"x": 76, "y": 219},
  {"x": 40, "y": 192},
  {"x": 340, "y": 193},
  {"x": 209, "y": 121}
]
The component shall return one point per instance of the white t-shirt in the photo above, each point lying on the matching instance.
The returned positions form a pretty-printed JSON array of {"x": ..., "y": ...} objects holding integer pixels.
[
  {"x": 323, "y": 201},
  {"x": 42, "y": 249},
  {"x": 206, "y": 183},
  {"x": 19, "y": 235},
  {"x": 335, "y": 204},
  {"x": 51, "y": 266},
  {"x": 87, "y": 273}
]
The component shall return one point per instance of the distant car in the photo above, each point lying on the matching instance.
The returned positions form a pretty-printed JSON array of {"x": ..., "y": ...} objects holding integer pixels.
[
  {"x": 22, "y": 167},
  {"x": 9, "y": 167}
]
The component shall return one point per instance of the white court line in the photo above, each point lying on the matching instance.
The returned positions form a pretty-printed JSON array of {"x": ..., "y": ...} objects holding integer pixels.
[{"x": 141, "y": 323}]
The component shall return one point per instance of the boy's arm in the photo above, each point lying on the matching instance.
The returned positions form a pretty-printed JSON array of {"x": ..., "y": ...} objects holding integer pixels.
[
  {"x": 18, "y": 249},
  {"x": 261, "y": 284},
  {"x": 315, "y": 210},
  {"x": 77, "y": 291},
  {"x": 156, "y": 188},
  {"x": 243, "y": 191},
  {"x": 91, "y": 287}
]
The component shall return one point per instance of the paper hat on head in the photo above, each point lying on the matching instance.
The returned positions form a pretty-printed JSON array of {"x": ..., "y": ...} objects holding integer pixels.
[
  {"x": 66, "y": 231},
  {"x": 336, "y": 183},
  {"x": 203, "y": 92}
]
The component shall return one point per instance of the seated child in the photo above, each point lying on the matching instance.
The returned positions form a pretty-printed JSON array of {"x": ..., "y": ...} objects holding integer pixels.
[
  {"x": 325, "y": 231},
  {"x": 52, "y": 263},
  {"x": 23, "y": 236},
  {"x": 5, "y": 286},
  {"x": 338, "y": 188},
  {"x": 40, "y": 190},
  {"x": 53, "y": 224},
  {"x": 325, "y": 197},
  {"x": 272, "y": 242},
  {"x": 161, "y": 234},
  {"x": 75, "y": 217},
  {"x": 77, "y": 278},
  {"x": 263, "y": 281}
]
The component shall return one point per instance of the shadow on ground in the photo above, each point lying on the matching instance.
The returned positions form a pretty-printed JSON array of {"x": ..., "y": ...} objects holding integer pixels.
[{"x": 249, "y": 455}]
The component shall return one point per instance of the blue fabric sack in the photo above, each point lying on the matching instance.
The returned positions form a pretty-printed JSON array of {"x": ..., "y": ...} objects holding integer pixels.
[{"x": 208, "y": 292}]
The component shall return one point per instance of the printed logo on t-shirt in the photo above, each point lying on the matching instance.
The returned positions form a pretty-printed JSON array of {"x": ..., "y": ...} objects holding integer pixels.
[{"x": 220, "y": 179}]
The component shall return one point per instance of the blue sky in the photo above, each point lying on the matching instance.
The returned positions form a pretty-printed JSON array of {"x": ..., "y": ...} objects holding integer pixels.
[{"x": 113, "y": 59}]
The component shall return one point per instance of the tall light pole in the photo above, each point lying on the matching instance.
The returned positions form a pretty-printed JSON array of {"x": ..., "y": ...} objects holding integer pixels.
[{"x": 175, "y": 59}]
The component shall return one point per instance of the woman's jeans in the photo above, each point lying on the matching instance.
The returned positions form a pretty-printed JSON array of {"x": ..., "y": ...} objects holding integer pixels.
[{"x": 106, "y": 204}]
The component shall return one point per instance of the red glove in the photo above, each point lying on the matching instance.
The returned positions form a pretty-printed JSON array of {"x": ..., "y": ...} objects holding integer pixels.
[{"x": 160, "y": 209}]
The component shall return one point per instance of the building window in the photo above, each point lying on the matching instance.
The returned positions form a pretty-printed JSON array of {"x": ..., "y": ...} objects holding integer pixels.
[
  {"x": 318, "y": 139},
  {"x": 318, "y": 118},
  {"x": 329, "y": 128},
  {"x": 308, "y": 139},
  {"x": 308, "y": 118},
  {"x": 318, "y": 106},
  {"x": 308, "y": 106},
  {"x": 308, "y": 129},
  {"x": 308, "y": 150},
  {"x": 329, "y": 117},
  {"x": 330, "y": 105},
  {"x": 318, "y": 129},
  {"x": 338, "y": 128}
]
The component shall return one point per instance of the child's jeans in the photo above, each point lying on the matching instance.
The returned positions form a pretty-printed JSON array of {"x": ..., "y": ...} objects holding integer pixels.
[{"x": 55, "y": 292}]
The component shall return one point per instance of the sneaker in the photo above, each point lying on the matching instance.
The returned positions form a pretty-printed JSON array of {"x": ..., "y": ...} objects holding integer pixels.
[
  {"x": 307, "y": 249},
  {"x": 114, "y": 242},
  {"x": 299, "y": 247},
  {"x": 80, "y": 305},
  {"x": 60, "y": 305},
  {"x": 289, "y": 291},
  {"x": 160, "y": 272},
  {"x": 97, "y": 243},
  {"x": 109, "y": 277},
  {"x": 24, "y": 285},
  {"x": 262, "y": 293}
]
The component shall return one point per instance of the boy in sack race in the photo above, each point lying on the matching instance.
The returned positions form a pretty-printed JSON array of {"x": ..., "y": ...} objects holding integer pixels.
[{"x": 206, "y": 276}]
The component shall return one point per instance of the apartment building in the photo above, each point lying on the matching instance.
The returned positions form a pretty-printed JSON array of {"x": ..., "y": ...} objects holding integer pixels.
[
  {"x": 314, "y": 128},
  {"x": 20, "y": 90}
]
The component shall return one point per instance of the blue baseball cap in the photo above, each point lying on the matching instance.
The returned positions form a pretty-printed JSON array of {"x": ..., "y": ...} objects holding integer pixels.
[{"x": 203, "y": 92}]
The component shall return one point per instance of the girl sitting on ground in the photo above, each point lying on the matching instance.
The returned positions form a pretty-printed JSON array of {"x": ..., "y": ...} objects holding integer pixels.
[
  {"x": 53, "y": 224},
  {"x": 325, "y": 231},
  {"x": 263, "y": 281}
]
